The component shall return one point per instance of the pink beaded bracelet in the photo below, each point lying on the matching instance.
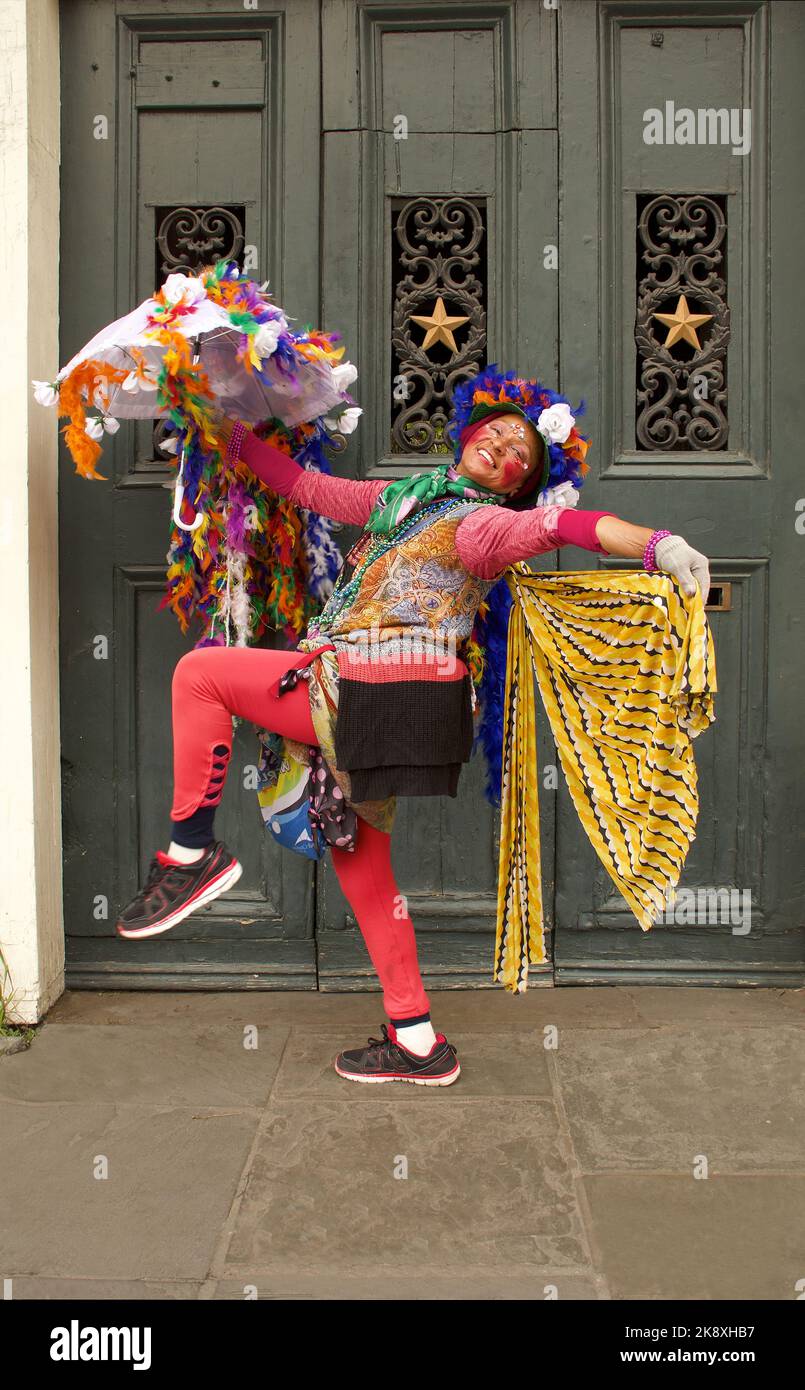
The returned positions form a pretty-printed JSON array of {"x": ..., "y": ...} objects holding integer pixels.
[
  {"x": 651, "y": 545},
  {"x": 236, "y": 439}
]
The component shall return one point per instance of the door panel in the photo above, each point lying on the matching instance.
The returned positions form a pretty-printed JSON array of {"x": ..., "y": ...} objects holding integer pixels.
[
  {"x": 196, "y": 124},
  {"x": 437, "y": 126},
  {"x": 723, "y": 498}
]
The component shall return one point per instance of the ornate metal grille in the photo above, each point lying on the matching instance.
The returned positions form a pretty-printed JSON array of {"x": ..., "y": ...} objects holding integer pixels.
[
  {"x": 682, "y": 355},
  {"x": 186, "y": 238},
  {"x": 438, "y": 333}
]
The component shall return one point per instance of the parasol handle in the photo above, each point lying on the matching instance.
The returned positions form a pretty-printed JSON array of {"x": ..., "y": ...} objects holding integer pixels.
[
  {"x": 177, "y": 507},
  {"x": 179, "y": 491}
]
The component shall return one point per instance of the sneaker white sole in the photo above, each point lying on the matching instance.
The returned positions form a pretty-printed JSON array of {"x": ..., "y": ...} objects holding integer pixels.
[
  {"x": 225, "y": 880},
  {"x": 415, "y": 1080}
]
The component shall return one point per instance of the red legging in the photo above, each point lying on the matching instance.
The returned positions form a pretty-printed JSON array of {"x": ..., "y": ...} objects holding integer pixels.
[{"x": 210, "y": 684}]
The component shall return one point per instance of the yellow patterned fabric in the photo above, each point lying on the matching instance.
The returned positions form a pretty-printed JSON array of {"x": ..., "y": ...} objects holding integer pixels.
[{"x": 625, "y": 665}]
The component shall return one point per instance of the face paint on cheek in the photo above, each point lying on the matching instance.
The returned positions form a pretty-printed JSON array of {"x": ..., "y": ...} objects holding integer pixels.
[{"x": 512, "y": 471}]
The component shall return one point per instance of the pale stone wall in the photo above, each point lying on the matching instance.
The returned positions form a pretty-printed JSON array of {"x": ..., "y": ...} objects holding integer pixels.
[{"x": 31, "y": 915}]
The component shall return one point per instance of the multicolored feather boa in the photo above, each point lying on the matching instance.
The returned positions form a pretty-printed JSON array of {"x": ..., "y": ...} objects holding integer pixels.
[{"x": 256, "y": 562}]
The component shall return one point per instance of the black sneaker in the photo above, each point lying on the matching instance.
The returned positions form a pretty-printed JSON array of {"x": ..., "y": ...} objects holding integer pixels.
[
  {"x": 172, "y": 891},
  {"x": 385, "y": 1059}
]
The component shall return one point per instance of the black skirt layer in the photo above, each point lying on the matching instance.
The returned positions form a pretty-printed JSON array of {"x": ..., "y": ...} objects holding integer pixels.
[{"x": 403, "y": 738}]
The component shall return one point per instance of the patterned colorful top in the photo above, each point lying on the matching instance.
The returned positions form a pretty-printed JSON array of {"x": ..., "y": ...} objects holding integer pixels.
[{"x": 392, "y": 697}]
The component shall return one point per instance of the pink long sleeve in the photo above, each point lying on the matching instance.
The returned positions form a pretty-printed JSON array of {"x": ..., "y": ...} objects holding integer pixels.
[
  {"x": 341, "y": 499},
  {"x": 491, "y": 538}
]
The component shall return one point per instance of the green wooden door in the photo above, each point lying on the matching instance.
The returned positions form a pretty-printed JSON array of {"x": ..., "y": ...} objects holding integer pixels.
[
  {"x": 702, "y": 442},
  {"x": 183, "y": 138},
  {"x": 439, "y": 186}
]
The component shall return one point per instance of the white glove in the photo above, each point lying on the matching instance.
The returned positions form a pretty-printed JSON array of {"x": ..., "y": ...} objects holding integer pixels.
[
  {"x": 563, "y": 495},
  {"x": 674, "y": 556}
]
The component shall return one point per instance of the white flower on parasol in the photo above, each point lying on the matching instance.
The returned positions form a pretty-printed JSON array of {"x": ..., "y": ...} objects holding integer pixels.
[
  {"x": 183, "y": 289},
  {"x": 133, "y": 382},
  {"x": 344, "y": 375},
  {"x": 46, "y": 392},
  {"x": 346, "y": 422},
  {"x": 268, "y": 335}
]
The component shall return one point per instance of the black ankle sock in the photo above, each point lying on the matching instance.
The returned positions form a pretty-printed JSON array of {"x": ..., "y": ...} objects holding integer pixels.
[{"x": 194, "y": 832}]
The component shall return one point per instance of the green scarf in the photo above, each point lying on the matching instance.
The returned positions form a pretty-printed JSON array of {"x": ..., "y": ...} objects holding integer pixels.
[{"x": 399, "y": 499}]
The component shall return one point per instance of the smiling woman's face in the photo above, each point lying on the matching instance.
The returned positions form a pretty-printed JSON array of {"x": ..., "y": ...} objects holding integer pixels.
[{"x": 502, "y": 455}]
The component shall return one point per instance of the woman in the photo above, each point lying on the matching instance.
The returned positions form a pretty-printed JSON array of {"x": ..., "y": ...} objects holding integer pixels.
[{"x": 374, "y": 697}]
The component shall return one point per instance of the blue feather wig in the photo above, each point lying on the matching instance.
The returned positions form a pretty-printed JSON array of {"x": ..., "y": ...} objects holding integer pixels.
[{"x": 493, "y": 388}]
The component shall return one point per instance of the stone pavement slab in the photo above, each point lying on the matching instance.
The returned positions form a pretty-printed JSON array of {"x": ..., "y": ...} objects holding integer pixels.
[
  {"x": 172, "y": 1176},
  {"x": 747, "y": 1007},
  {"x": 464, "y": 1184},
  {"x": 173, "y": 1064},
  {"x": 657, "y": 1100},
  {"x": 727, "y": 1238}
]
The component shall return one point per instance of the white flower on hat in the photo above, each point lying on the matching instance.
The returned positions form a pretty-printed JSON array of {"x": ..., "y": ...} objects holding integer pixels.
[
  {"x": 556, "y": 422},
  {"x": 45, "y": 393},
  {"x": 180, "y": 287},
  {"x": 267, "y": 336},
  {"x": 93, "y": 427},
  {"x": 562, "y": 495}
]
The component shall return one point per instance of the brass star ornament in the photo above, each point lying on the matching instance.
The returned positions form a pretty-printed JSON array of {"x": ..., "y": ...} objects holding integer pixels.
[
  {"x": 682, "y": 324},
  {"x": 439, "y": 325}
]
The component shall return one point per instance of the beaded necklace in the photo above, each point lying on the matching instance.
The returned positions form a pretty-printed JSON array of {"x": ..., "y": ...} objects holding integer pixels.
[{"x": 345, "y": 591}]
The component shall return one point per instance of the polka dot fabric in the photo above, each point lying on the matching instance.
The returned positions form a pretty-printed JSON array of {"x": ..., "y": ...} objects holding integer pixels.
[{"x": 329, "y": 813}]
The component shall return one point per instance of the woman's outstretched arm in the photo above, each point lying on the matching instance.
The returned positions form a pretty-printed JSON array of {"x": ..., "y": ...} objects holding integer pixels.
[
  {"x": 490, "y": 539},
  {"x": 672, "y": 554},
  {"x": 340, "y": 499}
]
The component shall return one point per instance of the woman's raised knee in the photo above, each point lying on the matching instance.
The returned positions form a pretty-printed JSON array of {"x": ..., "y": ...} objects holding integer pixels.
[{"x": 191, "y": 668}]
